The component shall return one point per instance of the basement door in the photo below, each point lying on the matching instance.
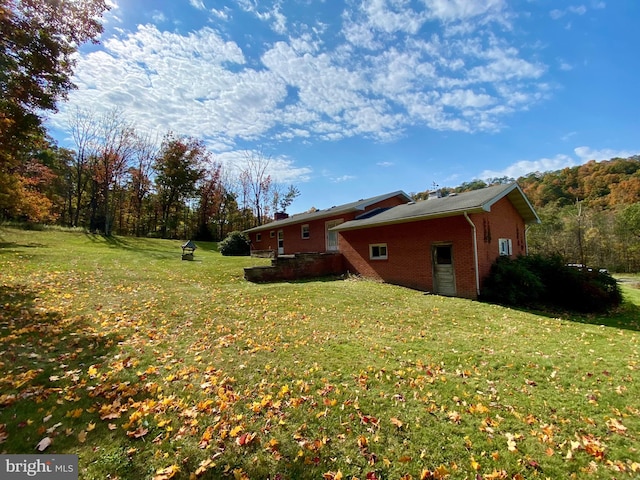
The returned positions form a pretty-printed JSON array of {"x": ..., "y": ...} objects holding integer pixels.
[{"x": 444, "y": 281}]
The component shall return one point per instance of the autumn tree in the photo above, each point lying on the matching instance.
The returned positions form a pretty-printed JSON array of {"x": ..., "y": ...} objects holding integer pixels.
[
  {"x": 256, "y": 184},
  {"x": 178, "y": 168},
  {"x": 140, "y": 183},
  {"x": 37, "y": 56},
  {"x": 116, "y": 145},
  {"x": 283, "y": 197}
]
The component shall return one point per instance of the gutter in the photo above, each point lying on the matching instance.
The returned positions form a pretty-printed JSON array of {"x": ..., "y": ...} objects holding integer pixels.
[{"x": 475, "y": 253}]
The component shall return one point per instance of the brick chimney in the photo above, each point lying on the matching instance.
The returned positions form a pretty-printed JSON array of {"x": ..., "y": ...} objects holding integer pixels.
[{"x": 280, "y": 215}]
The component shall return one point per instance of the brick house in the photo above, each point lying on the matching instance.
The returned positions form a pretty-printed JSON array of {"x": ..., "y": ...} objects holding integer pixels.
[
  {"x": 311, "y": 231},
  {"x": 441, "y": 245}
]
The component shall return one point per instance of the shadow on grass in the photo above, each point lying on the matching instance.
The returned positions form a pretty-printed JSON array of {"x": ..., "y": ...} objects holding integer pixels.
[
  {"x": 626, "y": 316},
  {"x": 43, "y": 359},
  {"x": 15, "y": 248}
]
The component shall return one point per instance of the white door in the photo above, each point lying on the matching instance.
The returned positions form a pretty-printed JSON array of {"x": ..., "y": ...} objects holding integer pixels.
[
  {"x": 444, "y": 281},
  {"x": 280, "y": 242},
  {"x": 332, "y": 237}
]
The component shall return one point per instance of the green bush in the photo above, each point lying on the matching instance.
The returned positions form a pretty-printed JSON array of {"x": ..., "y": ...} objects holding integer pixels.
[
  {"x": 236, "y": 244},
  {"x": 546, "y": 282}
]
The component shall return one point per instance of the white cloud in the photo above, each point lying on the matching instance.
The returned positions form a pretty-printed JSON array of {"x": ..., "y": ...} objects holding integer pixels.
[
  {"x": 206, "y": 85},
  {"x": 557, "y": 14},
  {"x": 222, "y": 14},
  {"x": 523, "y": 167},
  {"x": 198, "y": 4},
  {"x": 385, "y": 164},
  {"x": 343, "y": 178},
  {"x": 282, "y": 169},
  {"x": 560, "y": 161},
  {"x": 466, "y": 99},
  {"x": 586, "y": 153},
  {"x": 449, "y": 10}
]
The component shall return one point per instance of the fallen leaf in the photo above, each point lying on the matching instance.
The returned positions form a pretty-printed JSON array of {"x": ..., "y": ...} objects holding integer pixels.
[
  {"x": 398, "y": 423},
  {"x": 245, "y": 438},
  {"x": 166, "y": 473},
  {"x": 43, "y": 444},
  {"x": 138, "y": 433}
]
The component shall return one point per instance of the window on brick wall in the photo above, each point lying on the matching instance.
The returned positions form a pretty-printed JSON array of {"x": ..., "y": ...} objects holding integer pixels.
[
  {"x": 272, "y": 234},
  {"x": 258, "y": 237},
  {"x": 505, "y": 247},
  {"x": 305, "y": 231},
  {"x": 378, "y": 251}
]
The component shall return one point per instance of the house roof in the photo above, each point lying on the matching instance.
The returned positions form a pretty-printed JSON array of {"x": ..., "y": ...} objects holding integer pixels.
[
  {"x": 475, "y": 201},
  {"x": 358, "y": 206}
]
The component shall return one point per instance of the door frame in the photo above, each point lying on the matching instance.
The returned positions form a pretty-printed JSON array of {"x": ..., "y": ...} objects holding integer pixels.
[
  {"x": 327, "y": 225},
  {"x": 280, "y": 237},
  {"x": 434, "y": 264}
]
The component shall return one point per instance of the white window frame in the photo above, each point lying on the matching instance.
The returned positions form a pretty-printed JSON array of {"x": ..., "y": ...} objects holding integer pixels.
[
  {"x": 379, "y": 247},
  {"x": 258, "y": 237},
  {"x": 505, "y": 247},
  {"x": 272, "y": 234},
  {"x": 304, "y": 229}
]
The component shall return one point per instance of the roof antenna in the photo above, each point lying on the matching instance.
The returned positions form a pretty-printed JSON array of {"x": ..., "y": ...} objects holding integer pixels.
[{"x": 435, "y": 192}]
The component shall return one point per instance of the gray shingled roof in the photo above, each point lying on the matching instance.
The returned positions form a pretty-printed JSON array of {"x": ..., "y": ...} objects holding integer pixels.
[
  {"x": 359, "y": 205},
  {"x": 469, "y": 202}
]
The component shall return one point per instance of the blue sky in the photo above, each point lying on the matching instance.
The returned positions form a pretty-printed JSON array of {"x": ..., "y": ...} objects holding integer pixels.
[{"x": 352, "y": 99}]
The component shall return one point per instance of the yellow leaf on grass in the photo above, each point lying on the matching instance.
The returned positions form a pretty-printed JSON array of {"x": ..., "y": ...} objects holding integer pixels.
[
  {"x": 82, "y": 436},
  {"x": 166, "y": 473},
  {"x": 398, "y": 423},
  {"x": 77, "y": 413},
  {"x": 616, "y": 426}
]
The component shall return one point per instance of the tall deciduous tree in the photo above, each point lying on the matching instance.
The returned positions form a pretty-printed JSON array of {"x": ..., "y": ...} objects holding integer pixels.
[
  {"x": 256, "y": 184},
  {"x": 37, "y": 47},
  {"x": 179, "y": 167}
]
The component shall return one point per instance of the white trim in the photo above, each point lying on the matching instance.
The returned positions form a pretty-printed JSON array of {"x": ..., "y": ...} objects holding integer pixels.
[
  {"x": 475, "y": 252},
  {"x": 505, "y": 247},
  {"x": 380, "y": 246}
]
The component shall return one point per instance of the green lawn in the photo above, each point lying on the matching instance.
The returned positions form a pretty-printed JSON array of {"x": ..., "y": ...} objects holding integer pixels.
[{"x": 147, "y": 366}]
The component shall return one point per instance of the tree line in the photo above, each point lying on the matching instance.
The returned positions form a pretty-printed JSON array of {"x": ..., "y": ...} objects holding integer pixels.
[
  {"x": 116, "y": 180},
  {"x": 590, "y": 214}
]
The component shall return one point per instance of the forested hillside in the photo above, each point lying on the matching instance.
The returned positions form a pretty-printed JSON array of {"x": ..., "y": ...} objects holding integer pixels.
[{"x": 590, "y": 213}]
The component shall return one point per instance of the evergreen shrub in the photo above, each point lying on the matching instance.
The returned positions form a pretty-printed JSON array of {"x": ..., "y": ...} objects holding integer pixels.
[
  {"x": 546, "y": 282},
  {"x": 236, "y": 244}
]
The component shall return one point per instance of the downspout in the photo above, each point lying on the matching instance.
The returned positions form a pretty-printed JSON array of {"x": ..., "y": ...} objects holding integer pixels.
[
  {"x": 526, "y": 239},
  {"x": 475, "y": 253}
]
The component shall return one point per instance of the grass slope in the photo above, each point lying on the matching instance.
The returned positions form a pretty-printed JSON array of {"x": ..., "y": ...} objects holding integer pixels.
[{"x": 150, "y": 367}]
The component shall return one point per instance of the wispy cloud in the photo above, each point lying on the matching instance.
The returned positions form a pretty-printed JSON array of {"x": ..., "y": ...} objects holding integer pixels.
[
  {"x": 556, "y": 13},
  {"x": 199, "y": 4},
  {"x": 586, "y": 153},
  {"x": 582, "y": 155},
  {"x": 379, "y": 75},
  {"x": 343, "y": 178}
]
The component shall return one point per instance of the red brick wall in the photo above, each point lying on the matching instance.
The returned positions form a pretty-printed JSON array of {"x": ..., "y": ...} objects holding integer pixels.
[
  {"x": 293, "y": 241},
  {"x": 502, "y": 222},
  {"x": 409, "y": 247}
]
